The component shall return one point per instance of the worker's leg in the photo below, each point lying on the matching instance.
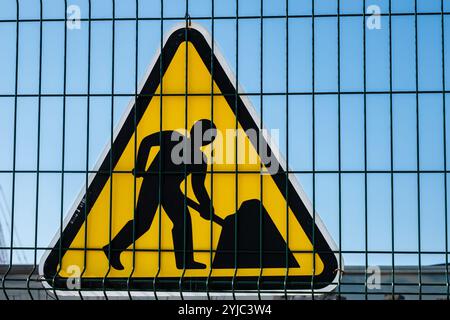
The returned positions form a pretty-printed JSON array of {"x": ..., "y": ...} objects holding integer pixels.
[
  {"x": 144, "y": 214},
  {"x": 173, "y": 204}
]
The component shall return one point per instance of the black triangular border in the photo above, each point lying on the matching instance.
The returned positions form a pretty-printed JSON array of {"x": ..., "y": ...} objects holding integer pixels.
[{"x": 50, "y": 268}]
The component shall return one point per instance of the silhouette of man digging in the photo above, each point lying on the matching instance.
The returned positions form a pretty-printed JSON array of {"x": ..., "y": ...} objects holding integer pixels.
[{"x": 175, "y": 167}]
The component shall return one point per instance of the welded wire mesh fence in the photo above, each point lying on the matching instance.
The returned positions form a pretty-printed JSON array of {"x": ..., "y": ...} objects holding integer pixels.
[{"x": 356, "y": 88}]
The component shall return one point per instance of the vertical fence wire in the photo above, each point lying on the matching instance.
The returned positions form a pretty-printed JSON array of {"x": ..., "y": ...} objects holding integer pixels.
[
  {"x": 161, "y": 61},
  {"x": 186, "y": 110},
  {"x": 13, "y": 184},
  {"x": 444, "y": 139},
  {"x": 286, "y": 253},
  {"x": 391, "y": 153},
  {"x": 63, "y": 147},
  {"x": 38, "y": 153},
  {"x": 313, "y": 85},
  {"x": 261, "y": 121},
  {"x": 86, "y": 175},
  {"x": 111, "y": 153},
  {"x": 338, "y": 13},
  {"x": 236, "y": 156},
  {"x": 211, "y": 180},
  {"x": 419, "y": 244},
  {"x": 136, "y": 67},
  {"x": 366, "y": 228}
]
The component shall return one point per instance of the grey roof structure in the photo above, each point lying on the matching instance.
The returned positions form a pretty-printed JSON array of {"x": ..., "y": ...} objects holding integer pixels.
[{"x": 22, "y": 282}]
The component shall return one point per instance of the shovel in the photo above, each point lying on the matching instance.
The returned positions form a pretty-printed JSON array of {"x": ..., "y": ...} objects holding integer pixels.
[{"x": 194, "y": 205}]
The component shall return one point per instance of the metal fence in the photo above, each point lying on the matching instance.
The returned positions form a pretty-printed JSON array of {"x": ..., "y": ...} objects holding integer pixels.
[{"x": 364, "y": 79}]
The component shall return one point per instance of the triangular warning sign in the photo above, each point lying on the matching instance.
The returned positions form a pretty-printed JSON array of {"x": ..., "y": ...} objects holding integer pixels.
[{"x": 163, "y": 212}]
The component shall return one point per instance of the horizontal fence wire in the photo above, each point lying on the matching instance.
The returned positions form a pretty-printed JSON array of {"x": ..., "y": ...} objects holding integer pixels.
[{"x": 413, "y": 278}]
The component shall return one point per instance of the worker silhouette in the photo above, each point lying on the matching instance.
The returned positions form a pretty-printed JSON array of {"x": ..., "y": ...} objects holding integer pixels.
[{"x": 178, "y": 156}]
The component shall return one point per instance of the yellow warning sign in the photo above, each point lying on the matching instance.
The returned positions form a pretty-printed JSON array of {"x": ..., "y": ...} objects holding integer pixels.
[{"x": 192, "y": 194}]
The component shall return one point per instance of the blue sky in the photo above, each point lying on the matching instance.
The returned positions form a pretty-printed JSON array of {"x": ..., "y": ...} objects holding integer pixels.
[{"x": 352, "y": 236}]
